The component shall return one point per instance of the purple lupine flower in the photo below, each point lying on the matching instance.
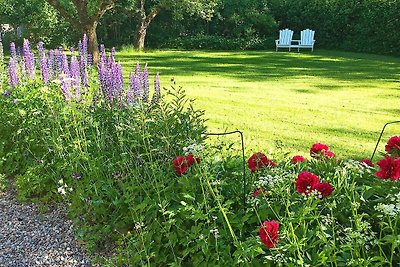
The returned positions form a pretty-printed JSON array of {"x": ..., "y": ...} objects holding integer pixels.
[
  {"x": 145, "y": 85},
  {"x": 65, "y": 67},
  {"x": 51, "y": 65},
  {"x": 84, "y": 71},
  {"x": 137, "y": 69},
  {"x": 76, "y": 77},
  {"x": 12, "y": 71},
  {"x": 102, "y": 49},
  {"x": 80, "y": 48},
  {"x": 85, "y": 46},
  {"x": 89, "y": 60},
  {"x": 114, "y": 81},
  {"x": 65, "y": 85},
  {"x": 157, "y": 89},
  {"x": 13, "y": 51},
  {"x": 136, "y": 87},
  {"x": 104, "y": 76},
  {"x": 40, "y": 47},
  {"x": 29, "y": 60},
  {"x": 44, "y": 67},
  {"x": 129, "y": 93}
]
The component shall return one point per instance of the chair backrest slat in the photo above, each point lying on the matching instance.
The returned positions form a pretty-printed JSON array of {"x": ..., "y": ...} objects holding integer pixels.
[
  {"x": 307, "y": 37},
  {"x": 285, "y": 37}
]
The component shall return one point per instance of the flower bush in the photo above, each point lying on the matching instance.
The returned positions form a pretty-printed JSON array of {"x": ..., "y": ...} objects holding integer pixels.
[{"x": 141, "y": 182}]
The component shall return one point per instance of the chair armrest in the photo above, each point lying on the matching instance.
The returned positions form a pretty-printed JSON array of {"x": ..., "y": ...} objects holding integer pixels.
[{"x": 277, "y": 41}]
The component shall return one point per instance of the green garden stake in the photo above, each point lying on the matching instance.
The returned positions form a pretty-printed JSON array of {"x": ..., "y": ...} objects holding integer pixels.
[{"x": 379, "y": 139}]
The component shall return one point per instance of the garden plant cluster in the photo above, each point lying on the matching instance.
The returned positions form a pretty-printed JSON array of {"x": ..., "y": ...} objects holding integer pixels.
[{"x": 143, "y": 184}]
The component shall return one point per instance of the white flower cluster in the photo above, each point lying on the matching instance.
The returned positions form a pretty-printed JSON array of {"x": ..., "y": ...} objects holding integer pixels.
[
  {"x": 327, "y": 219},
  {"x": 359, "y": 166},
  {"x": 63, "y": 189},
  {"x": 193, "y": 149},
  {"x": 268, "y": 181},
  {"x": 312, "y": 194},
  {"x": 391, "y": 209},
  {"x": 363, "y": 235},
  {"x": 139, "y": 225},
  {"x": 215, "y": 232}
]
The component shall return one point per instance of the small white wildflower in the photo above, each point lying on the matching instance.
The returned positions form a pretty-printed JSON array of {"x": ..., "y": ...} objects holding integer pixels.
[
  {"x": 70, "y": 189},
  {"x": 61, "y": 181},
  {"x": 183, "y": 203},
  {"x": 139, "y": 225},
  {"x": 215, "y": 232},
  {"x": 215, "y": 182},
  {"x": 61, "y": 190}
]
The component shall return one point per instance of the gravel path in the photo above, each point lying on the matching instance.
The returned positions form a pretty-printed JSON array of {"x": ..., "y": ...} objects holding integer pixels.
[{"x": 31, "y": 239}]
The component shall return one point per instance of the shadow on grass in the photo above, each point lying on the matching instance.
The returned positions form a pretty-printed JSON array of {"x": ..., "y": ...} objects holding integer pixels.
[{"x": 260, "y": 66}]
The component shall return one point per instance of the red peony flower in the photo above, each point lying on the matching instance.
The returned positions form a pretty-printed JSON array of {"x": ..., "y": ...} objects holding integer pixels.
[
  {"x": 180, "y": 165},
  {"x": 258, "y": 161},
  {"x": 389, "y": 168},
  {"x": 329, "y": 154},
  {"x": 319, "y": 150},
  {"x": 306, "y": 182},
  {"x": 393, "y": 146},
  {"x": 324, "y": 189},
  {"x": 269, "y": 233},
  {"x": 367, "y": 162},
  {"x": 189, "y": 159},
  {"x": 296, "y": 159},
  {"x": 258, "y": 191}
]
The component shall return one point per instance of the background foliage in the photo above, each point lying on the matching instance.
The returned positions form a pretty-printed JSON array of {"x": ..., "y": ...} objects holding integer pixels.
[{"x": 356, "y": 25}]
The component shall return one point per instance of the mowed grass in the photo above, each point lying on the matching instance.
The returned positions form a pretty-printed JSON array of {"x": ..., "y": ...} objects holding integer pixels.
[{"x": 285, "y": 102}]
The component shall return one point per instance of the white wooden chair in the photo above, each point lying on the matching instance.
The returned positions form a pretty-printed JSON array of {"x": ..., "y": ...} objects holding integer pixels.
[
  {"x": 285, "y": 39},
  {"x": 306, "y": 40}
]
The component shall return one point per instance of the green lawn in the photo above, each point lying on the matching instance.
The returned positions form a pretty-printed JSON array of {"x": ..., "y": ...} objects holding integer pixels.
[{"x": 287, "y": 101}]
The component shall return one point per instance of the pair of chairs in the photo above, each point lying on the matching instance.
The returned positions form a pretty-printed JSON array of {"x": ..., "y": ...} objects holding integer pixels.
[{"x": 285, "y": 40}]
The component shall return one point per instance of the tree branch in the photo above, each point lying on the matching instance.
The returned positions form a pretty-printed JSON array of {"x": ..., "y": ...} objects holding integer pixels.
[
  {"x": 104, "y": 7},
  {"x": 60, "y": 8},
  {"x": 152, "y": 15}
]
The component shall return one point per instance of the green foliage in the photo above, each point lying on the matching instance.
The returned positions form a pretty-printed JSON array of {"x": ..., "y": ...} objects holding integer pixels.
[
  {"x": 38, "y": 21},
  {"x": 215, "y": 42},
  {"x": 351, "y": 25}
]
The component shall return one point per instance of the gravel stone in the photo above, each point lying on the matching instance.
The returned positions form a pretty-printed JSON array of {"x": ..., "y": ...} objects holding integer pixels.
[{"x": 31, "y": 239}]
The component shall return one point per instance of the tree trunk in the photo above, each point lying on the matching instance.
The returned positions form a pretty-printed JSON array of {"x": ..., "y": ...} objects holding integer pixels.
[
  {"x": 93, "y": 45},
  {"x": 144, "y": 24},
  {"x": 141, "y": 36}
]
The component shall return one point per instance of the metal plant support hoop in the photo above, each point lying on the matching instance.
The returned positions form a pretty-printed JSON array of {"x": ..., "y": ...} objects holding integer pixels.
[
  {"x": 243, "y": 158},
  {"x": 380, "y": 136}
]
